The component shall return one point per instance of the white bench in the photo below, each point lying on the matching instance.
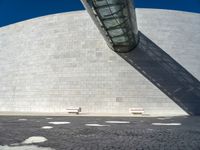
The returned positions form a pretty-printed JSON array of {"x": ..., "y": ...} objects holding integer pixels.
[
  {"x": 136, "y": 110},
  {"x": 76, "y": 110}
]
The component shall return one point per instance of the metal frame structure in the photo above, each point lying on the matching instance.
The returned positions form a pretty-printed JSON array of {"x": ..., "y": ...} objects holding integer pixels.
[{"x": 116, "y": 21}]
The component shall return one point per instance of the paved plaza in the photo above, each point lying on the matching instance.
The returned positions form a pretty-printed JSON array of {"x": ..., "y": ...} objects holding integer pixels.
[{"x": 99, "y": 133}]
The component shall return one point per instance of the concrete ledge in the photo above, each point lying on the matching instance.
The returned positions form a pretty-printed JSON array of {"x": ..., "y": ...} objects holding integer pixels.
[{"x": 82, "y": 114}]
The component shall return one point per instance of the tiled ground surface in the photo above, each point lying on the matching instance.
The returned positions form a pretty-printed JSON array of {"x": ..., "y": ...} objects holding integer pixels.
[{"x": 135, "y": 133}]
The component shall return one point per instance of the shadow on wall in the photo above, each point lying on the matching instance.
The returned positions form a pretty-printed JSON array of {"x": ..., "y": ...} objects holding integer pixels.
[{"x": 165, "y": 73}]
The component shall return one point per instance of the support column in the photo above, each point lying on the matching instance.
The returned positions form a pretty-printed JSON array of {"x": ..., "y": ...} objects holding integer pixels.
[{"x": 116, "y": 21}]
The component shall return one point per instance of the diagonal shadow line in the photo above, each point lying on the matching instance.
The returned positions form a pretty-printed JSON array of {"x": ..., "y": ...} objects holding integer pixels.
[{"x": 166, "y": 74}]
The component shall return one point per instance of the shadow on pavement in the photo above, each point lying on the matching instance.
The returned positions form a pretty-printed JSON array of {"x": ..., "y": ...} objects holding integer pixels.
[{"x": 166, "y": 74}]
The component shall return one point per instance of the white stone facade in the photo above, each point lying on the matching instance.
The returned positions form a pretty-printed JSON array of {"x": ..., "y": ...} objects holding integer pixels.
[{"x": 50, "y": 63}]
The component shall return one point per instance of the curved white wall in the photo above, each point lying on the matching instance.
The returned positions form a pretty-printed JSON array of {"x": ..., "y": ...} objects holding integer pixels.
[
  {"x": 176, "y": 32},
  {"x": 50, "y": 63}
]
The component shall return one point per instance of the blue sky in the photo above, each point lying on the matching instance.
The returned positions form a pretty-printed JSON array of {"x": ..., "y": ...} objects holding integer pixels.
[{"x": 12, "y": 11}]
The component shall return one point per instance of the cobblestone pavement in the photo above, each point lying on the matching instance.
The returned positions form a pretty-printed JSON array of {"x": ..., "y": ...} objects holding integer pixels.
[{"x": 100, "y": 133}]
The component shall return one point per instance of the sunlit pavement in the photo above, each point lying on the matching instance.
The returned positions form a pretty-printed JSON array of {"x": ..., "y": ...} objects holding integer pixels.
[{"x": 99, "y": 133}]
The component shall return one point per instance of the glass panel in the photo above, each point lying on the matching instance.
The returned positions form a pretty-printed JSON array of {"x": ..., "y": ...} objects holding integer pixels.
[
  {"x": 108, "y": 11},
  {"x": 120, "y": 39},
  {"x": 105, "y": 2},
  {"x": 116, "y": 32},
  {"x": 112, "y": 22}
]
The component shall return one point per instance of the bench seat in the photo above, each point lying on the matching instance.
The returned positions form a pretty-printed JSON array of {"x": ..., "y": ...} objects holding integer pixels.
[
  {"x": 136, "y": 110},
  {"x": 76, "y": 110}
]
